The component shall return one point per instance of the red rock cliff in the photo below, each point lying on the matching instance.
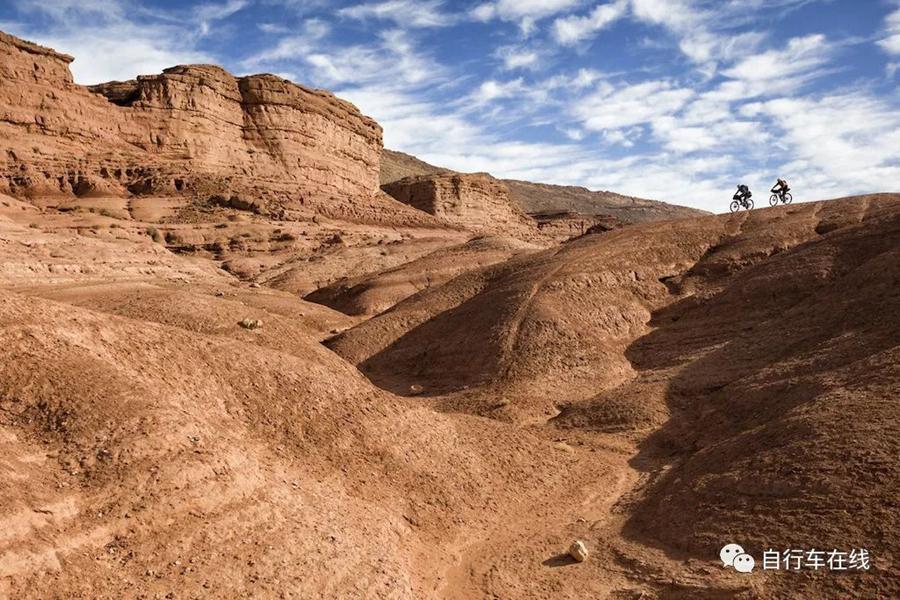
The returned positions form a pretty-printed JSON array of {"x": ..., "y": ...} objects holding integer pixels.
[{"x": 195, "y": 121}]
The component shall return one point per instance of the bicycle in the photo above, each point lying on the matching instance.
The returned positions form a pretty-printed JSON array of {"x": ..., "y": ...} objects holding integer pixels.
[
  {"x": 736, "y": 204},
  {"x": 784, "y": 197}
]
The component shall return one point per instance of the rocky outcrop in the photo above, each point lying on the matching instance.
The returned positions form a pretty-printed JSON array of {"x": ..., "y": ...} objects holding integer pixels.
[
  {"x": 50, "y": 128},
  {"x": 194, "y": 128},
  {"x": 476, "y": 202},
  {"x": 23, "y": 60},
  {"x": 564, "y": 224},
  {"x": 262, "y": 125}
]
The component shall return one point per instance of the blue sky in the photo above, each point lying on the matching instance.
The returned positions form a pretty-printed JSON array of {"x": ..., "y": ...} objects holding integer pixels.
[{"x": 678, "y": 100}]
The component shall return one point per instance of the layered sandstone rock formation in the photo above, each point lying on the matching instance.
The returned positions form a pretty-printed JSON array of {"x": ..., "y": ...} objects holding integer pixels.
[
  {"x": 262, "y": 126},
  {"x": 193, "y": 128},
  {"x": 476, "y": 202}
]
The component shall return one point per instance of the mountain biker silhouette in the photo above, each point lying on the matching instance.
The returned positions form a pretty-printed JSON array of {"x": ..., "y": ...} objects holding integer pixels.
[
  {"x": 781, "y": 187},
  {"x": 742, "y": 198},
  {"x": 780, "y": 193}
]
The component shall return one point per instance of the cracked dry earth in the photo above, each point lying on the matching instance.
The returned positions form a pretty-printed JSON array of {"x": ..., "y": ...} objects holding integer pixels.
[{"x": 656, "y": 391}]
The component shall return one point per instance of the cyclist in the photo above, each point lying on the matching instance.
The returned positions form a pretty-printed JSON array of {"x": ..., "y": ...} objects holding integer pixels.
[
  {"x": 743, "y": 194},
  {"x": 781, "y": 188}
]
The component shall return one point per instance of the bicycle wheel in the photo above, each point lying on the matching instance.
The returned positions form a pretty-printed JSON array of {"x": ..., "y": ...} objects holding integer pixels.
[
  {"x": 749, "y": 204},
  {"x": 773, "y": 200},
  {"x": 735, "y": 206},
  {"x": 788, "y": 198}
]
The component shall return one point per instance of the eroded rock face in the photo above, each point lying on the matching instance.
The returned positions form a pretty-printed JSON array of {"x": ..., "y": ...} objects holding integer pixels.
[
  {"x": 476, "y": 202},
  {"x": 262, "y": 125},
  {"x": 161, "y": 133},
  {"x": 565, "y": 225}
]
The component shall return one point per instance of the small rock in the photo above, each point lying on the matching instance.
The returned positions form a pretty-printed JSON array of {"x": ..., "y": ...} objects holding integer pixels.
[
  {"x": 578, "y": 551},
  {"x": 416, "y": 389},
  {"x": 220, "y": 293},
  {"x": 251, "y": 323},
  {"x": 254, "y": 285}
]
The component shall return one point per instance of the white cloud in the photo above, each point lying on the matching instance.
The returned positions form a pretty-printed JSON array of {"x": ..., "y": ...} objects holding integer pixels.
[
  {"x": 492, "y": 90},
  {"x": 524, "y": 12},
  {"x": 571, "y": 30},
  {"x": 290, "y": 48},
  {"x": 839, "y": 133},
  {"x": 585, "y": 77},
  {"x": 63, "y": 10},
  {"x": 699, "y": 29},
  {"x": 106, "y": 44},
  {"x": 315, "y": 29},
  {"x": 582, "y": 79},
  {"x": 119, "y": 54},
  {"x": 217, "y": 11},
  {"x": 622, "y": 137},
  {"x": 891, "y": 42},
  {"x": 800, "y": 57},
  {"x": 678, "y": 15},
  {"x": 273, "y": 28},
  {"x": 679, "y": 137},
  {"x": 484, "y": 12},
  {"x": 611, "y": 107},
  {"x": 405, "y": 13},
  {"x": 515, "y": 57},
  {"x": 395, "y": 57}
]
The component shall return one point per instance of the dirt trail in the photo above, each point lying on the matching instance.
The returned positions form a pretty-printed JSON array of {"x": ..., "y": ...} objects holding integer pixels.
[{"x": 479, "y": 564}]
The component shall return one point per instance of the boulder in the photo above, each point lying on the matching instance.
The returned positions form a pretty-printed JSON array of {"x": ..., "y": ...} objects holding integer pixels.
[
  {"x": 251, "y": 323},
  {"x": 578, "y": 551}
]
